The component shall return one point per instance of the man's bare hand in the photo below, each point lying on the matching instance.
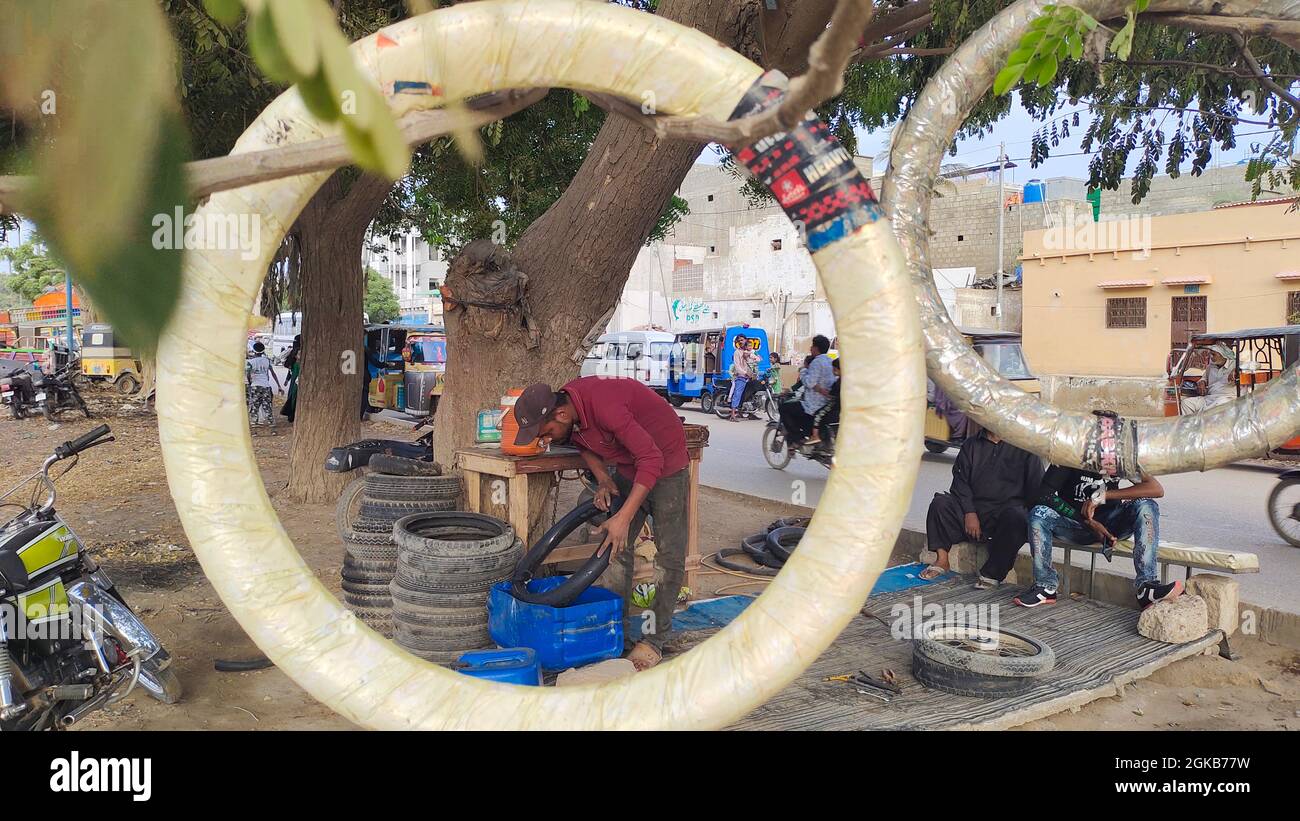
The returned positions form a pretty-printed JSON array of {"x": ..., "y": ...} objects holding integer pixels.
[
  {"x": 1106, "y": 537},
  {"x": 972, "y": 524},
  {"x": 605, "y": 494},
  {"x": 615, "y": 529}
]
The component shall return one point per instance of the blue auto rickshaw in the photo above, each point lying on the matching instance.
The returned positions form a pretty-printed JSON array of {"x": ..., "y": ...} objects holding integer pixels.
[{"x": 699, "y": 358}]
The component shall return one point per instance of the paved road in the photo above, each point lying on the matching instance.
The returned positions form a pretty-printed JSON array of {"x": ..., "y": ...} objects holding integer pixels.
[{"x": 1220, "y": 508}]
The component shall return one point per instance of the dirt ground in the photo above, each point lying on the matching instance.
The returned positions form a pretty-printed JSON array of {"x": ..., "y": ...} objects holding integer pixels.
[{"x": 117, "y": 501}]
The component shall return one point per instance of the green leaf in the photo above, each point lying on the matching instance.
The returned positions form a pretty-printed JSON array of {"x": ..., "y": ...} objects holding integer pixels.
[
  {"x": 316, "y": 95},
  {"x": 137, "y": 283},
  {"x": 1048, "y": 71},
  {"x": 296, "y": 34},
  {"x": 1007, "y": 78},
  {"x": 226, "y": 12},
  {"x": 92, "y": 176},
  {"x": 266, "y": 50}
]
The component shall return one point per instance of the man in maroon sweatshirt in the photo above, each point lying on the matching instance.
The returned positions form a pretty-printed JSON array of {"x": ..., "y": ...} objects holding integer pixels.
[{"x": 622, "y": 423}]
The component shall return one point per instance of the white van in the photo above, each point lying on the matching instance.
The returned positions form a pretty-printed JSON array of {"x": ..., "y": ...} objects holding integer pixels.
[{"x": 639, "y": 355}]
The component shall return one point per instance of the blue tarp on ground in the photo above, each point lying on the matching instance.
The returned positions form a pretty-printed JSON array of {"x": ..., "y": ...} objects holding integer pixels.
[{"x": 716, "y": 613}]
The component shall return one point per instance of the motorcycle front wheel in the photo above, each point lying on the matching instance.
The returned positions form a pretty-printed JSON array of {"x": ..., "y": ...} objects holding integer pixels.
[
  {"x": 163, "y": 685},
  {"x": 774, "y": 449},
  {"x": 771, "y": 408},
  {"x": 50, "y": 409}
]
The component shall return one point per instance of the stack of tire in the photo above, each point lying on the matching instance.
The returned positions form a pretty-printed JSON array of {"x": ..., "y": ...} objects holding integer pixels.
[
  {"x": 370, "y": 562},
  {"x": 447, "y": 563}
]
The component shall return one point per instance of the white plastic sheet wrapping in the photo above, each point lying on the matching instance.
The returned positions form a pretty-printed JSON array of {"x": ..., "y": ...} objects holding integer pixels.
[
  {"x": 249, "y": 559},
  {"x": 1248, "y": 427}
]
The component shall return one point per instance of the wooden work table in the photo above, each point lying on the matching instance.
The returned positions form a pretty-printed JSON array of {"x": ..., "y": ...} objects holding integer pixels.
[{"x": 480, "y": 466}]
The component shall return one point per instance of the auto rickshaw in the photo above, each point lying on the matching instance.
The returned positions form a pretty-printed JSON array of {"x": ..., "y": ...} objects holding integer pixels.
[
  {"x": 1002, "y": 350},
  {"x": 425, "y": 354},
  {"x": 698, "y": 358},
  {"x": 104, "y": 359},
  {"x": 1259, "y": 356},
  {"x": 386, "y": 352}
]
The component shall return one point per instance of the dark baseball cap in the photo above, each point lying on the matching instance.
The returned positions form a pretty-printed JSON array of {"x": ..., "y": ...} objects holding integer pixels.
[{"x": 531, "y": 410}]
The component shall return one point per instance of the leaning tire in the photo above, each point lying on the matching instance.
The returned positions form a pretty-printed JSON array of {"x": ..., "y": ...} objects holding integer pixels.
[
  {"x": 343, "y": 509},
  {"x": 984, "y": 651}
]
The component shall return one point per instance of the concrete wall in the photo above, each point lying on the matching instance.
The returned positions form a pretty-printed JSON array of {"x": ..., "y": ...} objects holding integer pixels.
[
  {"x": 975, "y": 309},
  {"x": 1241, "y": 251}
]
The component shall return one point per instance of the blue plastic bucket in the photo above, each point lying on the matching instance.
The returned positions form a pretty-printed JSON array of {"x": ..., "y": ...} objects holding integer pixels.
[{"x": 585, "y": 632}]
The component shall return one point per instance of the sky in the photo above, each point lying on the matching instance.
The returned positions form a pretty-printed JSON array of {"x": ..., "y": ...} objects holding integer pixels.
[{"x": 1017, "y": 130}]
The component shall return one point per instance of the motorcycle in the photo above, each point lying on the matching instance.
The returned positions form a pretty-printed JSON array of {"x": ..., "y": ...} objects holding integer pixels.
[
  {"x": 69, "y": 642},
  {"x": 392, "y": 456},
  {"x": 57, "y": 392},
  {"x": 18, "y": 392},
  {"x": 778, "y": 454},
  {"x": 762, "y": 401},
  {"x": 1284, "y": 507}
]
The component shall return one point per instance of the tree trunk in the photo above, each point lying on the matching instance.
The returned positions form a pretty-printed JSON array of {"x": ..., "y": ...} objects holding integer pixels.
[
  {"x": 577, "y": 256},
  {"x": 330, "y": 231}
]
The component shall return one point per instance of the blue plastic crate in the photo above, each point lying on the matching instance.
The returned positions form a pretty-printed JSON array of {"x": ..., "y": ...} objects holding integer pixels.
[
  {"x": 514, "y": 665},
  {"x": 587, "y": 631}
]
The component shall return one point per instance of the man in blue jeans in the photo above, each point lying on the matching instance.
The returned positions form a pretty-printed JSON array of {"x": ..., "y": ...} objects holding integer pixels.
[{"x": 1087, "y": 508}]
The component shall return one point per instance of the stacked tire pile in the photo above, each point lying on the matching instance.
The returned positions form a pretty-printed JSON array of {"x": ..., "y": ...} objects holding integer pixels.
[
  {"x": 446, "y": 564},
  {"x": 370, "y": 562}
]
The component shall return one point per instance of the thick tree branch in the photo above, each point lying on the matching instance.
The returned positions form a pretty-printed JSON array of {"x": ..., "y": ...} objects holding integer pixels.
[
  {"x": 238, "y": 170},
  {"x": 1263, "y": 77},
  {"x": 1223, "y": 24},
  {"x": 827, "y": 60}
]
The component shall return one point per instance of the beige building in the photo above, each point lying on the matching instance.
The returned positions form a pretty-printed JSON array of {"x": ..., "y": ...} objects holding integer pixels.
[{"x": 1113, "y": 298}]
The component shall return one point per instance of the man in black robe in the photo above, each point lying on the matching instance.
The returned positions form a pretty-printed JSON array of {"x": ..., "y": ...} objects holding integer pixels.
[{"x": 994, "y": 483}]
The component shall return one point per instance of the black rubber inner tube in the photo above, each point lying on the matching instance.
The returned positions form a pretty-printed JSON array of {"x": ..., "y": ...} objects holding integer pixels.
[
  {"x": 241, "y": 665},
  {"x": 782, "y": 542},
  {"x": 565, "y": 593},
  {"x": 723, "y": 560}
]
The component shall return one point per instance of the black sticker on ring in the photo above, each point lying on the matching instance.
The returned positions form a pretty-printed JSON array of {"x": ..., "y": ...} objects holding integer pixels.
[{"x": 809, "y": 172}]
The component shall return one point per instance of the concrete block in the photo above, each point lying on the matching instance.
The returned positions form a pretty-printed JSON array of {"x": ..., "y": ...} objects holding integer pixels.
[
  {"x": 1184, "y": 619},
  {"x": 967, "y": 558},
  {"x": 1222, "y": 599}
]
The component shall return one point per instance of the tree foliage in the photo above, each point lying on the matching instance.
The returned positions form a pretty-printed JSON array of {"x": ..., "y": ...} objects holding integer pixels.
[
  {"x": 32, "y": 269},
  {"x": 381, "y": 302}
]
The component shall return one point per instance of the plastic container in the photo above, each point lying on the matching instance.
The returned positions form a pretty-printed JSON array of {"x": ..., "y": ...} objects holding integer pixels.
[
  {"x": 514, "y": 665},
  {"x": 509, "y": 428},
  {"x": 489, "y": 426},
  {"x": 587, "y": 631},
  {"x": 1035, "y": 191}
]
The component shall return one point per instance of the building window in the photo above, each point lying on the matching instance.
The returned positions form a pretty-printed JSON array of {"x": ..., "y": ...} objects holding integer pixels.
[
  {"x": 802, "y": 324},
  {"x": 710, "y": 198},
  {"x": 756, "y": 313},
  {"x": 776, "y": 245},
  {"x": 961, "y": 237},
  {"x": 713, "y": 249},
  {"x": 1126, "y": 312},
  {"x": 1293, "y": 307}
]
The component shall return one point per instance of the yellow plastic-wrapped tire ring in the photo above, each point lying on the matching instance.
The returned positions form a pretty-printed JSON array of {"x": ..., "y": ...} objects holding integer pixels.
[{"x": 453, "y": 54}]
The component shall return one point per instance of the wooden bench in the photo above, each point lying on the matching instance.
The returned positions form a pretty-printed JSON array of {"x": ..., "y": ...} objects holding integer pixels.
[{"x": 1176, "y": 554}]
